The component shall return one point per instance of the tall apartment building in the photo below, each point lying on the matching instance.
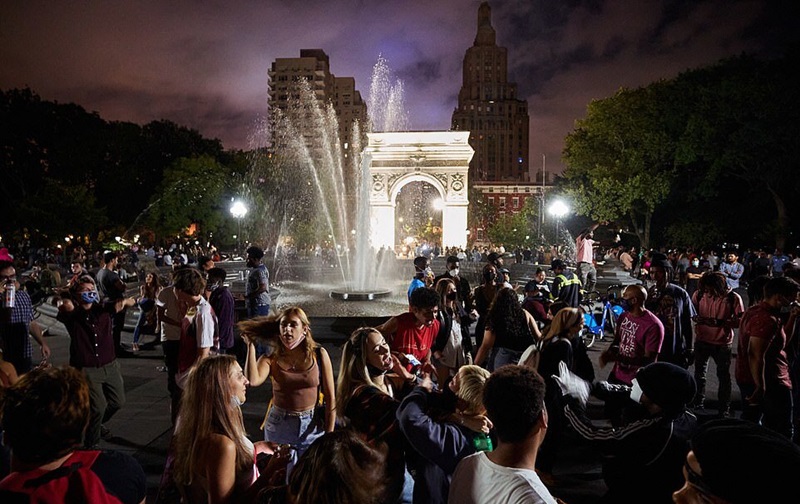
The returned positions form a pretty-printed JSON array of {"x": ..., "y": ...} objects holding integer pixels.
[
  {"x": 489, "y": 109},
  {"x": 314, "y": 66}
]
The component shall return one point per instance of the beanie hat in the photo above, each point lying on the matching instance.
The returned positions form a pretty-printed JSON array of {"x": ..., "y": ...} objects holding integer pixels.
[
  {"x": 667, "y": 385},
  {"x": 743, "y": 462}
]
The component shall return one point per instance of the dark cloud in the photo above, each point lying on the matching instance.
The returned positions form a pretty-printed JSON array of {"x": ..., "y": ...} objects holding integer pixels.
[{"x": 204, "y": 64}]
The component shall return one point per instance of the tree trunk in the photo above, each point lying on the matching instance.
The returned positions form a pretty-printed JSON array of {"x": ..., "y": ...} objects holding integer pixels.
[
  {"x": 642, "y": 229},
  {"x": 783, "y": 219}
]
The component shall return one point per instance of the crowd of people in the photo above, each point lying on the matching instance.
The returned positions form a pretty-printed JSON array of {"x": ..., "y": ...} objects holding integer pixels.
[{"x": 468, "y": 396}]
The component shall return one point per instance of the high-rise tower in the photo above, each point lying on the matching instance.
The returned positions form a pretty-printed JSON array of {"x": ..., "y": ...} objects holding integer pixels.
[
  {"x": 314, "y": 66},
  {"x": 489, "y": 109}
]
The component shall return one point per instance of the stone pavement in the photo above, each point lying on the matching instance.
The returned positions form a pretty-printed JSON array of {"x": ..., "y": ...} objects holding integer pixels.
[{"x": 142, "y": 427}]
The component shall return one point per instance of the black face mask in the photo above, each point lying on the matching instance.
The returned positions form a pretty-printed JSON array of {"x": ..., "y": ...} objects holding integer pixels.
[
  {"x": 374, "y": 371},
  {"x": 452, "y": 296}
]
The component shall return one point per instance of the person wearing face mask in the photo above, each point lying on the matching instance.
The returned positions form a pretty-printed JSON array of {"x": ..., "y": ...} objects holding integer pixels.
[
  {"x": 222, "y": 302},
  {"x": 452, "y": 346},
  {"x": 299, "y": 370},
  {"x": 92, "y": 350},
  {"x": 642, "y": 459},
  {"x": 693, "y": 274},
  {"x": 213, "y": 457},
  {"x": 462, "y": 284},
  {"x": 637, "y": 341},
  {"x": 423, "y": 275}
]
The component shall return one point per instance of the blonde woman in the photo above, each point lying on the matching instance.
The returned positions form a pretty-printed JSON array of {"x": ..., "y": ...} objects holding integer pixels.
[
  {"x": 366, "y": 400},
  {"x": 299, "y": 371},
  {"x": 214, "y": 460},
  {"x": 561, "y": 342}
]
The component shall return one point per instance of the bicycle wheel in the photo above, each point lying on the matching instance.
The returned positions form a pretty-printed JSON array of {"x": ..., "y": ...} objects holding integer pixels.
[{"x": 590, "y": 325}]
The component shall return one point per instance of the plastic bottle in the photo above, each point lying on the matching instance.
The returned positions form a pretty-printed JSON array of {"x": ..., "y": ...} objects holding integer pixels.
[{"x": 482, "y": 442}]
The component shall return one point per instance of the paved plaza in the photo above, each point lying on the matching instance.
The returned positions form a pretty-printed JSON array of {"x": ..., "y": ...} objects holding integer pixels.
[{"x": 142, "y": 426}]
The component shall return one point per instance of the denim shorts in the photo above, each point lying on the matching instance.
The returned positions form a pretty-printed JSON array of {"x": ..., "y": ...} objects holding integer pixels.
[{"x": 297, "y": 429}]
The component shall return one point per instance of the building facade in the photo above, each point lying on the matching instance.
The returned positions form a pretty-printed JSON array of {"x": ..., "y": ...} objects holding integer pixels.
[
  {"x": 488, "y": 107},
  {"x": 313, "y": 65}
]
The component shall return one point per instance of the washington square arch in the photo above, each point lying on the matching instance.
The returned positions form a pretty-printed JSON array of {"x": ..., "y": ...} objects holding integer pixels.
[{"x": 440, "y": 158}]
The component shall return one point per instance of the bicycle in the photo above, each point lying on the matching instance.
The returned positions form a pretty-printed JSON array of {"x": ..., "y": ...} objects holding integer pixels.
[{"x": 608, "y": 312}]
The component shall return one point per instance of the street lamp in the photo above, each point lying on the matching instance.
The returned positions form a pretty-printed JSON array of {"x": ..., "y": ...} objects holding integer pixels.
[
  {"x": 238, "y": 211},
  {"x": 558, "y": 209}
]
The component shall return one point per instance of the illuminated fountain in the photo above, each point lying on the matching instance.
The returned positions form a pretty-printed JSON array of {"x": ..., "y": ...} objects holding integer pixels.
[{"x": 315, "y": 183}]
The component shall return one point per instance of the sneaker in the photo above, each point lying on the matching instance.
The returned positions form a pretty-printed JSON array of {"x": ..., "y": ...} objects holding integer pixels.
[
  {"x": 726, "y": 413},
  {"x": 105, "y": 433},
  {"x": 135, "y": 347},
  {"x": 124, "y": 353}
]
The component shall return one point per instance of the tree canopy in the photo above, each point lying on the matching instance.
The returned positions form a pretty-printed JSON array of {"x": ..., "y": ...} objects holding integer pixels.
[{"x": 694, "y": 156}]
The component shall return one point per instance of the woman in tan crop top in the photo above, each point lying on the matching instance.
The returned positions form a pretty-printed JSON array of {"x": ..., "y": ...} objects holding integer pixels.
[{"x": 299, "y": 371}]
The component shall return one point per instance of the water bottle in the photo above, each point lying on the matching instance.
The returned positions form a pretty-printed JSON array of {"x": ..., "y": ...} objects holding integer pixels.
[
  {"x": 10, "y": 295},
  {"x": 482, "y": 442}
]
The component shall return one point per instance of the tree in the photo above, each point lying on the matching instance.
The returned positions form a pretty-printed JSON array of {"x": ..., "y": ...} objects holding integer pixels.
[
  {"x": 620, "y": 157},
  {"x": 744, "y": 125},
  {"x": 192, "y": 192}
]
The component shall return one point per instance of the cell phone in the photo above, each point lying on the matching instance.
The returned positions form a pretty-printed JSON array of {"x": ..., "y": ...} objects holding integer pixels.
[
  {"x": 262, "y": 459},
  {"x": 413, "y": 360}
]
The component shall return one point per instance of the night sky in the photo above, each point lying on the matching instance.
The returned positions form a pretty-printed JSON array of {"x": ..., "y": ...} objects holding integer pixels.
[{"x": 203, "y": 64}]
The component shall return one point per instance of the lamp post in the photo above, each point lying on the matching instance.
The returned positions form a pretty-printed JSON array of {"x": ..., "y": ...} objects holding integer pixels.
[
  {"x": 558, "y": 209},
  {"x": 238, "y": 211}
]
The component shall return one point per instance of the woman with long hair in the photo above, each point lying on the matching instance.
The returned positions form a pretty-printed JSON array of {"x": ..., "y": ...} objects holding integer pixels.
[
  {"x": 338, "y": 468},
  {"x": 214, "y": 460},
  {"x": 510, "y": 330},
  {"x": 148, "y": 292},
  {"x": 366, "y": 400},
  {"x": 483, "y": 295},
  {"x": 719, "y": 312},
  {"x": 300, "y": 370},
  {"x": 560, "y": 343},
  {"x": 452, "y": 346}
]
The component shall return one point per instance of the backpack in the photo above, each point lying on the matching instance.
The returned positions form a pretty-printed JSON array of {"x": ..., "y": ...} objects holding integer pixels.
[{"x": 74, "y": 481}]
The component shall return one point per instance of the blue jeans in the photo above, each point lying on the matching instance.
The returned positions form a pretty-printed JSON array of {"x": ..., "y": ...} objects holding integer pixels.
[
  {"x": 505, "y": 356},
  {"x": 257, "y": 310},
  {"x": 293, "y": 428}
]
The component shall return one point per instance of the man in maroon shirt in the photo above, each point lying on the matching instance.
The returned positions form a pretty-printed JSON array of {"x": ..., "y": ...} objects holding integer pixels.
[
  {"x": 762, "y": 371},
  {"x": 92, "y": 350}
]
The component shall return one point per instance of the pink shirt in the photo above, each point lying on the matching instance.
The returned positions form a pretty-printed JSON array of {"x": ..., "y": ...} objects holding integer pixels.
[
  {"x": 719, "y": 309},
  {"x": 584, "y": 246},
  {"x": 637, "y": 335}
]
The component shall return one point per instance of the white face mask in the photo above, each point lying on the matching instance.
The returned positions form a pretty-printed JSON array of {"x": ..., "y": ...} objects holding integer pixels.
[
  {"x": 454, "y": 272},
  {"x": 636, "y": 391},
  {"x": 236, "y": 401}
]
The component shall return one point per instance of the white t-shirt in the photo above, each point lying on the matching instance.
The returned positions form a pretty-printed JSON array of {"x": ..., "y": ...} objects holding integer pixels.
[
  {"x": 166, "y": 299},
  {"x": 207, "y": 335},
  {"x": 478, "y": 480}
]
